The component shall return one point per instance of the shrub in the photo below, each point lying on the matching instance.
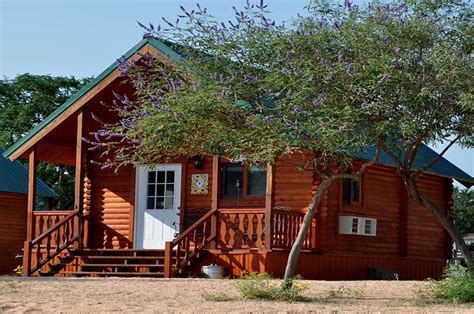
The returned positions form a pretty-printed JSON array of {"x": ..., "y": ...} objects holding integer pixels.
[
  {"x": 263, "y": 287},
  {"x": 456, "y": 287}
]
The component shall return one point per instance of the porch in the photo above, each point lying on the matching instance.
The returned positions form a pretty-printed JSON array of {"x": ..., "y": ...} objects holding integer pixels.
[{"x": 59, "y": 247}]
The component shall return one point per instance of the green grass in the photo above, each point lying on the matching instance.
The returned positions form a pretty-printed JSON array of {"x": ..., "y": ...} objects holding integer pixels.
[
  {"x": 216, "y": 297},
  {"x": 263, "y": 287}
]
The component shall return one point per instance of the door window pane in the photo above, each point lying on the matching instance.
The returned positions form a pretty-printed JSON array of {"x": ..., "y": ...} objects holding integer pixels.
[
  {"x": 160, "y": 189},
  {"x": 150, "y": 204},
  {"x": 160, "y": 203},
  {"x": 257, "y": 180},
  {"x": 161, "y": 177},
  {"x": 151, "y": 190},
  {"x": 232, "y": 179},
  {"x": 151, "y": 176},
  {"x": 168, "y": 202},
  {"x": 169, "y": 190},
  {"x": 170, "y": 176}
]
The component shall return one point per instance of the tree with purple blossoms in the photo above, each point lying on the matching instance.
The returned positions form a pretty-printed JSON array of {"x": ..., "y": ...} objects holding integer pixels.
[{"x": 337, "y": 81}]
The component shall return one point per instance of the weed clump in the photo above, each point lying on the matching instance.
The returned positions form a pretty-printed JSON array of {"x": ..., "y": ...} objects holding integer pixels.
[
  {"x": 263, "y": 287},
  {"x": 216, "y": 297}
]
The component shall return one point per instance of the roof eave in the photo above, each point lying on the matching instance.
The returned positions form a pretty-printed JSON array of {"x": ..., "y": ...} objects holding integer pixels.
[{"x": 162, "y": 48}]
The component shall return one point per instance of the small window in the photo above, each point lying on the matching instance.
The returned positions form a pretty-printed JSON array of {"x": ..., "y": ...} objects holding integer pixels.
[
  {"x": 351, "y": 191},
  {"x": 232, "y": 180},
  {"x": 368, "y": 226},
  {"x": 256, "y": 180},
  {"x": 355, "y": 225}
]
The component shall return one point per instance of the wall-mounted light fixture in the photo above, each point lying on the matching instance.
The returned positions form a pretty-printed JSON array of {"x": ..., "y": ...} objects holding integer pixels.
[{"x": 198, "y": 161}]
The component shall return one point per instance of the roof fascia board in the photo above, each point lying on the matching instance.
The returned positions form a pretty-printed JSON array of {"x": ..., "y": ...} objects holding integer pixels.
[{"x": 23, "y": 144}]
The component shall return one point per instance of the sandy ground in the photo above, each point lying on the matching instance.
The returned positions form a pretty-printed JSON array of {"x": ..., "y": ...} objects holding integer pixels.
[{"x": 186, "y": 295}]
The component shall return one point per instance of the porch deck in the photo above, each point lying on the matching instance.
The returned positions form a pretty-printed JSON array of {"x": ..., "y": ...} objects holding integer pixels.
[{"x": 60, "y": 246}]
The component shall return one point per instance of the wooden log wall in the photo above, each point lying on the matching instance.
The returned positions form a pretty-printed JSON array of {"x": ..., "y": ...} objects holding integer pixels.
[
  {"x": 426, "y": 237},
  {"x": 197, "y": 205},
  {"x": 292, "y": 188},
  {"x": 322, "y": 267},
  {"x": 12, "y": 230},
  {"x": 111, "y": 217},
  {"x": 404, "y": 228}
]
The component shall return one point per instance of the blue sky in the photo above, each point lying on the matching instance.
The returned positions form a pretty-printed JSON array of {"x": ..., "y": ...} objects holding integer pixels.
[{"x": 82, "y": 38}]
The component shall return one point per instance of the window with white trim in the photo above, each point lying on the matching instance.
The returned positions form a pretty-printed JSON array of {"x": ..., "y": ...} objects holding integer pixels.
[{"x": 357, "y": 225}]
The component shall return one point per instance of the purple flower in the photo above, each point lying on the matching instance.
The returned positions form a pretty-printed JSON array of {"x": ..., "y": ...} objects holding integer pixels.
[
  {"x": 348, "y": 4},
  {"x": 240, "y": 160},
  {"x": 290, "y": 122},
  {"x": 384, "y": 78},
  {"x": 301, "y": 111},
  {"x": 340, "y": 56},
  {"x": 177, "y": 117}
]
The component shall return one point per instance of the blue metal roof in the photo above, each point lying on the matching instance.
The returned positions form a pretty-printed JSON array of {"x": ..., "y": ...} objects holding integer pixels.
[
  {"x": 424, "y": 157},
  {"x": 14, "y": 179}
]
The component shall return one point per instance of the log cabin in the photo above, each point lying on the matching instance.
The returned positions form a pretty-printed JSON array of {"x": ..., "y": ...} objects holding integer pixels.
[
  {"x": 172, "y": 219},
  {"x": 13, "y": 200}
]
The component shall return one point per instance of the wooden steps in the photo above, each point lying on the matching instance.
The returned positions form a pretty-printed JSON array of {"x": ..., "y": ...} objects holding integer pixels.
[{"x": 109, "y": 263}]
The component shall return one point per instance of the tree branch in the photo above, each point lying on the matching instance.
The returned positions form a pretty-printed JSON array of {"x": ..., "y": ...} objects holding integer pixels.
[{"x": 434, "y": 161}]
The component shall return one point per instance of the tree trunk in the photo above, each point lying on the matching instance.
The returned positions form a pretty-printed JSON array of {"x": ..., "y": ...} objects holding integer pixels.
[
  {"x": 296, "y": 248},
  {"x": 448, "y": 225}
]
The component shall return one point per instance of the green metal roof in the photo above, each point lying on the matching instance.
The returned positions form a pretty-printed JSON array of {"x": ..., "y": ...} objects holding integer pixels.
[
  {"x": 14, "y": 179},
  {"x": 425, "y": 154},
  {"x": 163, "y": 47},
  {"x": 424, "y": 157}
]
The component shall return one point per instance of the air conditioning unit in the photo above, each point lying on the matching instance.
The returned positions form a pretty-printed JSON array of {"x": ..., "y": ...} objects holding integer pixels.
[{"x": 357, "y": 225}]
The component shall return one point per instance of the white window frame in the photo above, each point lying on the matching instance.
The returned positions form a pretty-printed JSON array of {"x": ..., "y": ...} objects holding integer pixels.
[{"x": 347, "y": 223}]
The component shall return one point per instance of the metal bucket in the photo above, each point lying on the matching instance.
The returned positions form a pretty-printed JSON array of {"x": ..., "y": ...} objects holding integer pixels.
[{"x": 213, "y": 271}]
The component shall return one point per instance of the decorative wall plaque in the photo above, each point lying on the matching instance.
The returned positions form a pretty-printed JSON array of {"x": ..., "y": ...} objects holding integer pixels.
[{"x": 199, "y": 184}]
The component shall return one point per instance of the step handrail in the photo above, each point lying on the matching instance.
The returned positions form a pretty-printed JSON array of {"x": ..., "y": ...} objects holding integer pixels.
[
  {"x": 183, "y": 243},
  {"x": 63, "y": 239},
  {"x": 54, "y": 227}
]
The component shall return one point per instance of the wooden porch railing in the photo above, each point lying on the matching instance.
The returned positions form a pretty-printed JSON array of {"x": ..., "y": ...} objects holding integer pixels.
[
  {"x": 190, "y": 244},
  {"x": 61, "y": 232},
  {"x": 43, "y": 220},
  {"x": 285, "y": 227},
  {"x": 228, "y": 229},
  {"x": 241, "y": 229}
]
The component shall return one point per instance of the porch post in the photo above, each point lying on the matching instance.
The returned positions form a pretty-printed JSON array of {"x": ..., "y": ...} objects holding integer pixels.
[
  {"x": 168, "y": 259},
  {"x": 214, "y": 198},
  {"x": 268, "y": 208},
  {"x": 30, "y": 224},
  {"x": 78, "y": 184}
]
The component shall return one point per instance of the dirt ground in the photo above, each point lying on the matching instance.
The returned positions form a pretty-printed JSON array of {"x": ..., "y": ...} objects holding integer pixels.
[{"x": 186, "y": 295}]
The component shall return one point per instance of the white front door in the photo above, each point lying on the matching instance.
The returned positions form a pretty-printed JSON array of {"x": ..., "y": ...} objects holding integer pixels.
[{"x": 157, "y": 205}]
